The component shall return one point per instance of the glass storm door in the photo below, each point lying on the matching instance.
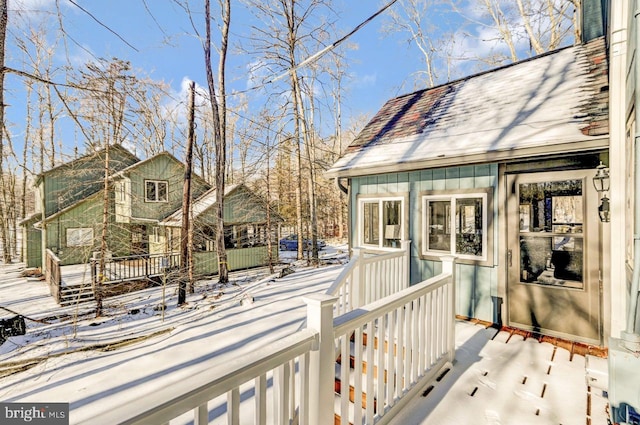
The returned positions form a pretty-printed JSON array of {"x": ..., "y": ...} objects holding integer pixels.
[{"x": 553, "y": 257}]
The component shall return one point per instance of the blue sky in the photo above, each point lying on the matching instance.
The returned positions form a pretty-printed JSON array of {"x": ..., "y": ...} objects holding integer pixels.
[{"x": 380, "y": 65}]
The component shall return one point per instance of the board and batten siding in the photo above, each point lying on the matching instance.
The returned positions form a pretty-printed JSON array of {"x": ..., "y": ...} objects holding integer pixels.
[
  {"x": 476, "y": 286},
  {"x": 83, "y": 215},
  {"x": 241, "y": 206},
  {"x": 160, "y": 168},
  {"x": 69, "y": 183}
]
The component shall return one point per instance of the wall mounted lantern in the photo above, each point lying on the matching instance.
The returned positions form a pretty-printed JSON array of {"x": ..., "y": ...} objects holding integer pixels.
[
  {"x": 601, "y": 183},
  {"x": 603, "y": 210},
  {"x": 601, "y": 179}
]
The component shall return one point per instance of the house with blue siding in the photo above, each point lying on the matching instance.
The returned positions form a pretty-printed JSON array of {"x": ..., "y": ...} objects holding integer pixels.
[{"x": 496, "y": 169}]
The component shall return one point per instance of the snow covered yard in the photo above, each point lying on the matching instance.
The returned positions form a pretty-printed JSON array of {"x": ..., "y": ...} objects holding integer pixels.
[{"x": 135, "y": 347}]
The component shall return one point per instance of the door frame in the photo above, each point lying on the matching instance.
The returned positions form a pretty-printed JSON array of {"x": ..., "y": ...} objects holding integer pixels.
[{"x": 592, "y": 241}]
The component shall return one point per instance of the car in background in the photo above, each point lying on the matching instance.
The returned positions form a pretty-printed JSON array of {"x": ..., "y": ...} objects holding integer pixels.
[{"x": 290, "y": 243}]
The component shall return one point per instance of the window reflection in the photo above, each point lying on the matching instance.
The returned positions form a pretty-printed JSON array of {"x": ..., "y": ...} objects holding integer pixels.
[
  {"x": 551, "y": 240},
  {"x": 439, "y": 233},
  {"x": 371, "y": 223},
  {"x": 391, "y": 221}
]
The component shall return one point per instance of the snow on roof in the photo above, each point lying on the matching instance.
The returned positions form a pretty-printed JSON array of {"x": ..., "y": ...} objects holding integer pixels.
[
  {"x": 555, "y": 99},
  {"x": 200, "y": 205}
]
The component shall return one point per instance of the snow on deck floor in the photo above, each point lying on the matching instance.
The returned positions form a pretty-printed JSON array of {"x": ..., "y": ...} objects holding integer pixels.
[
  {"x": 487, "y": 384},
  {"x": 499, "y": 378}
]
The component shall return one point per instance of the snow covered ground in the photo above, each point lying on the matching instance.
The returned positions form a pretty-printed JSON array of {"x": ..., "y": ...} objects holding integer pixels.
[
  {"x": 135, "y": 348},
  {"x": 86, "y": 361}
]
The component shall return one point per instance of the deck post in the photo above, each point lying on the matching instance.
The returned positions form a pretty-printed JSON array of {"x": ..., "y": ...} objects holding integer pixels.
[
  {"x": 449, "y": 267},
  {"x": 406, "y": 273},
  {"x": 321, "y": 360},
  {"x": 359, "y": 279}
]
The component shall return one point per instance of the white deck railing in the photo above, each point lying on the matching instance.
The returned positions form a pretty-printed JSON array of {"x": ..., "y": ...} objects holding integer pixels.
[
  {"x": 370, "y": 276},
  {"x": 396, "y": 345},
  {"x": 278, "y": 363}
]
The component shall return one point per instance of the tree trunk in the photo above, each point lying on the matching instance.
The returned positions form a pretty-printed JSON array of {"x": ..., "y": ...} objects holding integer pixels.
[
  {"x": 186, "y": 203},
  {"x": 3, "y": 214},
  {"x": 97, "y": 289},
  {"x": 218, "y": 110}
]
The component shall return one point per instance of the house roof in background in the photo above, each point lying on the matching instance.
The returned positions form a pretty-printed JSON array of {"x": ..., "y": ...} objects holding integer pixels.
[
  {"x": 199, "y": 206},
  {"x": 138, "y": 164},
  {"x": 554, "y": 103},
  {"x": 208, "y": 200},
  {"x": 84, "y": 158}
]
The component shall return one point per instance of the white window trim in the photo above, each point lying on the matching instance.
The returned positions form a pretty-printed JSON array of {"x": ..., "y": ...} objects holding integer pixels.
[
  {"x": 155, "y": 235},
  {"x": 79, "y": 236},
  {"x": 156, "y": 184},
  {"x": 380, "y": 200},
  {"x": 452, "y": 199}
]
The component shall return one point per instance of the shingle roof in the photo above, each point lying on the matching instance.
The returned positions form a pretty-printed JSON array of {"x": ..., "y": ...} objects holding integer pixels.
[
  {"x": 199, "y": 206},
  {"x": 557, "y": 101}
]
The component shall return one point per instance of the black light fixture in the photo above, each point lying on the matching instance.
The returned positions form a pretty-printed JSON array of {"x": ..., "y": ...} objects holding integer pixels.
[
  {"x": 601, "y": 179},
  {"x": 601, "y": 183},
  {"x": 603, "y": 210}
]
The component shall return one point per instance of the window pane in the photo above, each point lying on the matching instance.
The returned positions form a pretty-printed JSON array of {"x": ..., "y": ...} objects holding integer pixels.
[
  {"x": 556, "y": 261},
  {"x": 151, "y": 191},
  {"x": 551, "y": 215},
  {"x": 439, "y": 222},
  {"x": 371, "y": 223},
  {"x": 469, "y": 226},
  {"x": 551, "y": 206},
  {"x": 391, "y": 219},
  {"x": 162, "y": 191},
  {"x": 80, "y": 237}
]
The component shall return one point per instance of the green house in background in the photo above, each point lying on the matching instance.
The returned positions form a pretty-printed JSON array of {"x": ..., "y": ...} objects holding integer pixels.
[
  {"x": 143, "y": 198},
  {"x": 246, "y": 230},
  {"x": 58, "y": 190}
]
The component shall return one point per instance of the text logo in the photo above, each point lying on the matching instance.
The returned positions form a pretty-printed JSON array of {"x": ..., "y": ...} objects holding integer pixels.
[{"x": 34, "y": 413}]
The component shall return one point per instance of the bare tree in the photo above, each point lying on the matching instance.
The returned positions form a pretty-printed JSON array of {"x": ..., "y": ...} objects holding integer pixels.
[
  {"x": 149, "y": 120},
  {"x": 416, "y": 19},
  {"x": 528, "y": 27},
  {"x": 294, "y": 30},
  {"x": 219, "y": 115},
  {"x": 4, "y": 236},
  {"x": 102, "y": 106},
  {"x": 501, "y": 31},
  {"x": 186, "y": 265}
]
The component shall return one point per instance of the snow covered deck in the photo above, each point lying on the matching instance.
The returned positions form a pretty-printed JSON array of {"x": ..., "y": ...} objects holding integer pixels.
[{"x": 497, "y": 378}]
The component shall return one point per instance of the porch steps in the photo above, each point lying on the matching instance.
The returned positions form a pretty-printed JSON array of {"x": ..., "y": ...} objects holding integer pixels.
[
  {"x": 75, "y": 294},
  {"x": 83, "y": 293},
  {"x": 351, "y": 364}
]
